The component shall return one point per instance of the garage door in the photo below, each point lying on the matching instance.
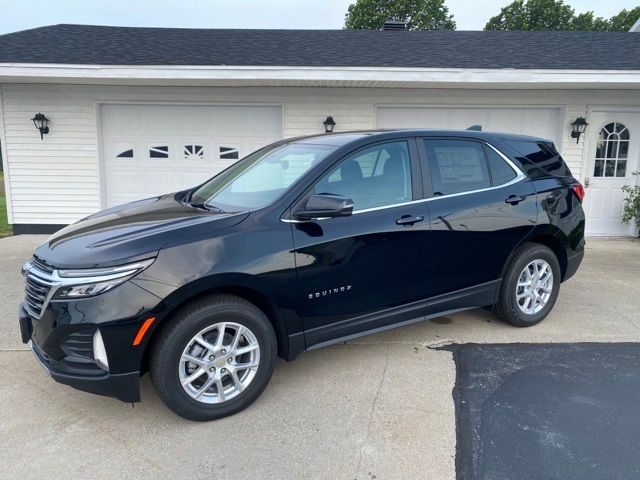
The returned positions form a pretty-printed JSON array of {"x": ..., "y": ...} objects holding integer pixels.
[
  {"x": 542, "y": 122},
  {"x": 155, "y": 149}
]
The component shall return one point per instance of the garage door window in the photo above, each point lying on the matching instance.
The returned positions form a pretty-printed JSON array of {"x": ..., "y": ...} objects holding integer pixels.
[
  {"x": 229, "y": 153},
  {"x": 193, "y": 152},
  {"x": 161, "y": 151},
  {"x": 457, "y": 166},
  {"x": 126, "y": 154}
]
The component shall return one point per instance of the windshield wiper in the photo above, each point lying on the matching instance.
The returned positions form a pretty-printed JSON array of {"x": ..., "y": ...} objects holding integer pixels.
[
  {"x": 204, "y": 206},
  {"x": 200, "y": 205}
]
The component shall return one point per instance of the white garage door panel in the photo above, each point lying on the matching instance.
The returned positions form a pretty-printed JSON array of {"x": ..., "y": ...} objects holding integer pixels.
[
  {"x": 542, "y": 122},
  {"x": 155, "y": 149}
]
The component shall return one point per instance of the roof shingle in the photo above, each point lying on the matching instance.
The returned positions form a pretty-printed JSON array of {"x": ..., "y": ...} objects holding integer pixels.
[{"x": 103, "y": 45}]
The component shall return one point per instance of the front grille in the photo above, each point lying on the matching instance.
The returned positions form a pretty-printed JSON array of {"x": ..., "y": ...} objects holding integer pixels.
[
  {"x": 39, "y": 281},
  {"x": 79, "y": 344}
]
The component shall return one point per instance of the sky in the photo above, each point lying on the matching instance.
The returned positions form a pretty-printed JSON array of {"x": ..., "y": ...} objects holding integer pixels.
[{"x": 313, "y": 14}]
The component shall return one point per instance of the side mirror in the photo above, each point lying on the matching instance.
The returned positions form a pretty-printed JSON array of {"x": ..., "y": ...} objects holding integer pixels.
[{"x": 325, "y": 205}]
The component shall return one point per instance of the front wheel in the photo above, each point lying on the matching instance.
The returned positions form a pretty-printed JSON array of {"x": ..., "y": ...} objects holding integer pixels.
[
  {"x": 530, "y": 286},
  {"x": 214, "y": 358}
]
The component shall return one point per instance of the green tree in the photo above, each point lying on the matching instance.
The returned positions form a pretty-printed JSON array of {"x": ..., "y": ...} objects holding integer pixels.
[
  {"x": 416, "y": 14},
  {"x": 587, "y": 21},
  {"x": 556, "y": 15},
  {"x": 532, "y": 15},
  {"x": 623, "y": 21}
]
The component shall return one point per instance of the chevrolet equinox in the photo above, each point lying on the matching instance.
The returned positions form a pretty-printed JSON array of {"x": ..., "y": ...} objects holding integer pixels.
[{"x": 304, "y": 243}]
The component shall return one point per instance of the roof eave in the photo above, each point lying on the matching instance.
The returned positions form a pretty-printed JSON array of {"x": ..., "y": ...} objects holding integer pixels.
[{"x": 314, "y": 76}]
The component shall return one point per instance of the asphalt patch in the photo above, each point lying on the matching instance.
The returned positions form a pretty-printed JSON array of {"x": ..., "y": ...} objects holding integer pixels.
[{"x": 547, "y": 411}]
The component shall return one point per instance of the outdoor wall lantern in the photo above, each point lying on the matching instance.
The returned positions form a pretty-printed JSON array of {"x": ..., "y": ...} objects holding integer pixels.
[
  {"x": 329, "y": 124},
  {"x": 578, "y": 126},
  {"x": 42, "y": 124}
]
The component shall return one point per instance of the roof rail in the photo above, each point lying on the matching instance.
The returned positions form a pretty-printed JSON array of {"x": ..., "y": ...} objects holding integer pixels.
[{"x": 475, "y": 128}]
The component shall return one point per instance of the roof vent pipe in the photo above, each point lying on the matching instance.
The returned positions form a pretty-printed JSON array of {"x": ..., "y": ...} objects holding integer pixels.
[{"x": 394, "y": 25}]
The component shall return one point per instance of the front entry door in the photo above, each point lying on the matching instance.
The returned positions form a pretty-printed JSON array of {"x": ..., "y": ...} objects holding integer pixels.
[{"x": 613, "y": 153}]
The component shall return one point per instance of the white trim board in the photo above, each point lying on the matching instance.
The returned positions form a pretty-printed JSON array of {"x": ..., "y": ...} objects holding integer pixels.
[
  {"x": 5, "y": 164},
  {"x": 17, "y": 72}
]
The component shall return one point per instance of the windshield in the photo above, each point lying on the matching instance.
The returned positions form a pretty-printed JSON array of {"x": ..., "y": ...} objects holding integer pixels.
[{"x": 260, "y": 178}]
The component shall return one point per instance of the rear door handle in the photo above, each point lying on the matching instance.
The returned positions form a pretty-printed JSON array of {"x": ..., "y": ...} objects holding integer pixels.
[
  {"x": 408, "y": 220},
  {"x": 514, "y": 199}
]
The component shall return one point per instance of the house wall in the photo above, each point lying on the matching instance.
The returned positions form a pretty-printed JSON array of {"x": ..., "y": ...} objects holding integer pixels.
[{"x": 58, "y": 180}]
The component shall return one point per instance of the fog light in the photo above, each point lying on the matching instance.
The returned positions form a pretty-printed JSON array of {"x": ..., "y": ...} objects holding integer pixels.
[{"x": 99, "y": 352}]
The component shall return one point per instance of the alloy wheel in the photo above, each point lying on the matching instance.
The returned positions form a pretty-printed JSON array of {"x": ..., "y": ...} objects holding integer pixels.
[
  {"x": 534, "y": 287},
  {"x": 219, "y": 362}
]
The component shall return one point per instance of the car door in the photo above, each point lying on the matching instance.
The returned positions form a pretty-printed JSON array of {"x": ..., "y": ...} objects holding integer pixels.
[
  {"x": 482, "y": 206},
  {"x": 356, "y": 273}
]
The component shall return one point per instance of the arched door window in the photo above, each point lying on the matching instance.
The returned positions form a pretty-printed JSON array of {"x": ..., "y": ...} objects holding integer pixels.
[{"x": 612, "y": 151}]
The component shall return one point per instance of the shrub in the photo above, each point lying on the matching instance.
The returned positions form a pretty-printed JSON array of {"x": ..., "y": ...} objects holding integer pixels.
[{"x": 631, "y": 210}]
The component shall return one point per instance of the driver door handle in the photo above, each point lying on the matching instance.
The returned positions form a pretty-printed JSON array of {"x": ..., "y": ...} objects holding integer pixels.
[
  {"x": 514, "y": 199},
  {"x": 408, "y": 220}
]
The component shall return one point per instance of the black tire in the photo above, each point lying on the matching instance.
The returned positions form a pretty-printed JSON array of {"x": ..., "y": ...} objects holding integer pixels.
[
  {"x": 507, "y": 308},
  {"x": 172, "y": 340}
]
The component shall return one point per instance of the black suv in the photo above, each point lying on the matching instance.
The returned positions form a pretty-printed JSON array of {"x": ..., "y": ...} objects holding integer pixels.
[{"x": 302, "y": 244}]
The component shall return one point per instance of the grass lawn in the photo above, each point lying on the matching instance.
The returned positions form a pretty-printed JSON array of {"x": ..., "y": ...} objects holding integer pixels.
[{"x": 5, "y": 230}]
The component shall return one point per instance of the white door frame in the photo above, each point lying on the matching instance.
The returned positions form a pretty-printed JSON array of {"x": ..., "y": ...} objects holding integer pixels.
[
  {"x": 588, "y": 154},
  {"x": 101, "y": 155}
]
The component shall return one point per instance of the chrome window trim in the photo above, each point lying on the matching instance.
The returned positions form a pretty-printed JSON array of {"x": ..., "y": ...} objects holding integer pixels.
[{"x": 520, "y": 175}]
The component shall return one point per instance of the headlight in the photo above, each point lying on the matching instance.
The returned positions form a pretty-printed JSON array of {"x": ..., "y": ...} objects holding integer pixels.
[{"x": 94, "y": 281}]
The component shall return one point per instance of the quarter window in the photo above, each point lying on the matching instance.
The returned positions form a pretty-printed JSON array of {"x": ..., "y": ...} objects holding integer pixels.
[
  {"x": 457, "y": 166},
  {"x": 612, "y": 151},
  {"x": 373, "y": 177}
]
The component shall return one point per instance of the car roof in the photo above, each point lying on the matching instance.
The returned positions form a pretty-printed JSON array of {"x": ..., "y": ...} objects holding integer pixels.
[{"x": 344, "y": 138}]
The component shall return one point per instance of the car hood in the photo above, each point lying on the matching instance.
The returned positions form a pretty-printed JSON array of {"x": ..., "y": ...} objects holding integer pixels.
[{"x": 130, "y": 232}]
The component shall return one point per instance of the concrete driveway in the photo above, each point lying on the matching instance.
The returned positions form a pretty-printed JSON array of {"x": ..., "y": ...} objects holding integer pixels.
[{"x": 378, "y": 407}]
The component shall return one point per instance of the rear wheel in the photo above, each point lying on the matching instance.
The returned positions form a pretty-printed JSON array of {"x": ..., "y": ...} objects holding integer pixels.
[
  {"x": 530, "y": 286},
  {"x": 214, "y": 359}
]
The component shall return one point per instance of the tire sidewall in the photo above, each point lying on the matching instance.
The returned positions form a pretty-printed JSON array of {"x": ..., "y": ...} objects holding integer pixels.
[
  {"x": 178, "y": 399},
  {"x": 515, "y": 315}
]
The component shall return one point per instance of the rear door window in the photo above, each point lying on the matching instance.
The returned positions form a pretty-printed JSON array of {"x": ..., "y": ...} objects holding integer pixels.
[
  {"x": 501, "y": 171},
  {"x": 456, "y": 166}
]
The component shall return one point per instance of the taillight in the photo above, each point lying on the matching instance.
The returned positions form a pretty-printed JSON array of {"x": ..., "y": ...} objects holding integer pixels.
[{"x": 578, "y": 189}]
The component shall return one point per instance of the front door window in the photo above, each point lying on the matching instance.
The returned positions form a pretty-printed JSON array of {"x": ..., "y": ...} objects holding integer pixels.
[
  {"x": 374, "y": 177},
  {"x": 612, "y": 151}
]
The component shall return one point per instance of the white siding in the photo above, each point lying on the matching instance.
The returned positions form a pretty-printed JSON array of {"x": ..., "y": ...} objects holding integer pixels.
[{"x": 58, "y": 180}]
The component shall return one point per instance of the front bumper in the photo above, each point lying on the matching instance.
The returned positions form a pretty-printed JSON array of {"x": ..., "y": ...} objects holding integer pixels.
[
  {"x": 62, "y": 340},
  {"x": 125, "y": 386}
]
